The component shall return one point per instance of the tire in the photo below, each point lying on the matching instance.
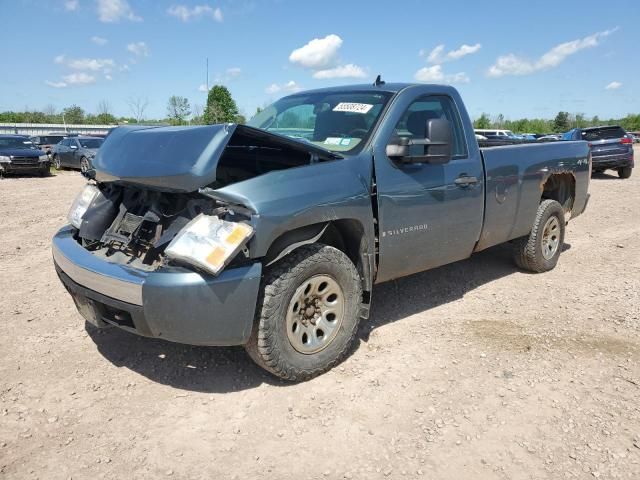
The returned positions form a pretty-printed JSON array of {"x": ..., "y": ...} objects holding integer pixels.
[
  {"x": 56, "y": 162},
  {"x": 539, "y": 251},
  {"x": 277, "y": 341},
  {"x": 625, "y": 172},
  {"x": 84, "y": 165}
]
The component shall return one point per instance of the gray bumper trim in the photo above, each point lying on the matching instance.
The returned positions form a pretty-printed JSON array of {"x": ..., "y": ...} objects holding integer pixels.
[{"x": 110, "y": 279}]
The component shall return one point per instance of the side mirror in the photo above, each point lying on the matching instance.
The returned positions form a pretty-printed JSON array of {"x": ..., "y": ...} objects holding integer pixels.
[{"x": 437, "y": 145}]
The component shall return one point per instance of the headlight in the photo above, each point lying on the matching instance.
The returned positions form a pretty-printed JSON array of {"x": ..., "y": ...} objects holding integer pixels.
[
  {"x": 5, "y": 159},
  {"x": 80, "y": 205},
  {"x": 209, "y": 242},
  {"x": 43, "y": 158}
]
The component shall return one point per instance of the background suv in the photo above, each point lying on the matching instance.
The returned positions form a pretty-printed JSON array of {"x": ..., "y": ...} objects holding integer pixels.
[
  {"x": 76, "y": 152},
  {"x": 611, "y": 148}
]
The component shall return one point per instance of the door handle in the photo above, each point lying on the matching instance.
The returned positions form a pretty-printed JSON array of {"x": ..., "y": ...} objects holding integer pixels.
[{"x": 465, "y": 180}]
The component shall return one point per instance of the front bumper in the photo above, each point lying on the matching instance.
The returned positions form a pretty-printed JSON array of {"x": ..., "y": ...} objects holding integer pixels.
[
  {"x": 172, "y": 303},
  {"x": 25, "y": 167}
]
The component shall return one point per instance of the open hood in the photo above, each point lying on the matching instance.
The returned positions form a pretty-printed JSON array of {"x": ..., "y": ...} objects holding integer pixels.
[{"x": 184, "y": 159}]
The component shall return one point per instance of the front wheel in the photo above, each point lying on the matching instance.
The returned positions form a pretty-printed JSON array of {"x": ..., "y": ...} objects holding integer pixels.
[
  {"x": 540, "y": 250},
  {"x": 56, "y": 162},
  {"x": 84, "y": 165},
  {"x": 625, "y": 172},
  {"x": 307, "y": 315}
]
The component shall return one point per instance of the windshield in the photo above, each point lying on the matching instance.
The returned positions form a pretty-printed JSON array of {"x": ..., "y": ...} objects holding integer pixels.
[
  {"x": 90, "y": 142},
  {"x": 16, "y": 142},
  {"x": 50, "y": 139},
  {"x": 337, "y": 121}
]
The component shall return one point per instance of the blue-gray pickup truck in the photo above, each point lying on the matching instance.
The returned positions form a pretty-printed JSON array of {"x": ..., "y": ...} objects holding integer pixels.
[{"x": 272, "y": 235}]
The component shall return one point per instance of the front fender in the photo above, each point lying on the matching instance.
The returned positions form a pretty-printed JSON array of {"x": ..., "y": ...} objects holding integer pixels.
[{"x": 286, "y": 200}]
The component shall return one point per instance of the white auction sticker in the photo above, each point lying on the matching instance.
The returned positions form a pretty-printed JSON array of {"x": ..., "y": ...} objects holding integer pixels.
[{"x": 353, "y": 107}]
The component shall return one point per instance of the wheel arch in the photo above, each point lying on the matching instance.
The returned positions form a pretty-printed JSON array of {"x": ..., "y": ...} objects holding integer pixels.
[
  {"x": 346, "y": 235},
  {"x": 560, "y": 187}
]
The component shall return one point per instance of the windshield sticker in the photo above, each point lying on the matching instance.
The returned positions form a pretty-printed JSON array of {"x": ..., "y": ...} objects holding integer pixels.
[
  {"x": 345, "y": 142},
  {"x": 333, "y": 141},
  {"x": 353, "y": 107}
]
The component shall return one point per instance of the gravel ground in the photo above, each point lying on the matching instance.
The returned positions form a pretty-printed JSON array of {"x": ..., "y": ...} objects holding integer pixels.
[{"x": 473, "y": 370}]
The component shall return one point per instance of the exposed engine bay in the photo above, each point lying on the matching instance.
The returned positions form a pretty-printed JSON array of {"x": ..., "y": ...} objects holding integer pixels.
[{"x": 133, "y": 226}]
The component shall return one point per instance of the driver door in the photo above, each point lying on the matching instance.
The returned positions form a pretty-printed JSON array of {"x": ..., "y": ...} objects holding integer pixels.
[{"x": 429, "y": 214}]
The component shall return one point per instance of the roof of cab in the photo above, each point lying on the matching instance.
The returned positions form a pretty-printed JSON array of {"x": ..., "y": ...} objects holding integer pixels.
[{"x": 385, "y": 87}]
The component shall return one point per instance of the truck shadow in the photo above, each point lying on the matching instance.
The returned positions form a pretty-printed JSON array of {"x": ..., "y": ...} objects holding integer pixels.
[{"x": 229, "y": 369}]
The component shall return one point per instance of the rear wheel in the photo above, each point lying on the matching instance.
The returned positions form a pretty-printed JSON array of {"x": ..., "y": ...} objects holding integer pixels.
[
  {"x": 625, "y": 172},
  {"x": 56, "y": 162},
  {"x": 540, "y": 250},
  {"x": 307, "y": 314}
]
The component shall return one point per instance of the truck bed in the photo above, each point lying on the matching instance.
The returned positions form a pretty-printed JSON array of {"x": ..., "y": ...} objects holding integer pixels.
[{"x": 515, "y": 176}]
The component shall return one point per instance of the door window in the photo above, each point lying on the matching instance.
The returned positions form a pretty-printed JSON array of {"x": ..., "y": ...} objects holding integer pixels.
[{"x": 413, "y": 124}]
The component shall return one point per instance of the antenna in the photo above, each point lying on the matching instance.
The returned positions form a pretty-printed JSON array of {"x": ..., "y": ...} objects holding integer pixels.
[{"x": 378, "y": 81}]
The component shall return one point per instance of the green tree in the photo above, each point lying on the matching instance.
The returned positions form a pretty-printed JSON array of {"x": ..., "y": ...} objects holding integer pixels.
[
  {"x": 74, "y": 114},
  {"x": 561, "y": 123},
  {"x": 483, "y": 122},
  {"x": 178, "y": 109},
  {"x": 221, "y": 107}
]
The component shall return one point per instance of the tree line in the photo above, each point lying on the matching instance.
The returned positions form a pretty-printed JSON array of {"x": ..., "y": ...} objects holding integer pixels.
[
  {"x": 220, "y": 108},
  {"x": 562, "y": 122}
]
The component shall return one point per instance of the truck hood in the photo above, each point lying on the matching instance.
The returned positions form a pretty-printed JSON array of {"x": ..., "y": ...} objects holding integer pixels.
[{"x": 184, "y": 159}]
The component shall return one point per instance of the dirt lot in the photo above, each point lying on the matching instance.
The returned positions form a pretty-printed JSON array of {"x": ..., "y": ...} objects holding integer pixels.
[{"x": 474, "y": 370}]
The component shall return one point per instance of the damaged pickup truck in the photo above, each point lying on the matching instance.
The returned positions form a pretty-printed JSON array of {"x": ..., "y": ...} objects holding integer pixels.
[{"x": 272, "y": 235}]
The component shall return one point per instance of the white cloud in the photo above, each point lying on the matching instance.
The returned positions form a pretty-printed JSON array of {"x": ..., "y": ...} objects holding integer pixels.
[
  {"x": 185, "y": 13},
  {"x": 71, "y": 6},
  {"x": 203, "y": 88},
  {"x": 110, "y": 11},
  {"x": 318, "y": 54},
  {"x": 234, "y": 72},
  {"x": 139, "y": 49},
  {"x": 99, "y": 40},
  {"x": 92, "y": 64},
  {"x": 438, "y": 56},
  {"x": 613, "y": 86},
  {"x": 289, "y": 87},
  {"x": 435, "y": 74},
  {"x": 124, "y": 68},
  {"x": 108, "y": 77},
  {"x": 228, "y": 75},
  {"x": 342, "y": 71},
  {"x": 511, "y": 64},
  {"x": 55, "y": 84},
  {"x": 79, "y": 78}
]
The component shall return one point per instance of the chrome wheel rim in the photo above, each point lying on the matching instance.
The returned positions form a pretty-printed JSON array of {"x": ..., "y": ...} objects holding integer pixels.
[
  {"x": 84, "y": 165},
  {"x": 550, "y": 238},
  {"x": 315, "y": 314},
  {"x": 56, "y": 163}
]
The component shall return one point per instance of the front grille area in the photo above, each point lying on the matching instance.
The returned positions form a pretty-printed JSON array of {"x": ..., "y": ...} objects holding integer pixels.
[{"x": 24, "y": 160}]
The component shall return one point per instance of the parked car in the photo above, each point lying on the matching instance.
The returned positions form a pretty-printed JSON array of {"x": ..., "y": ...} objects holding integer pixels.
[
  {"x": 239, "y": 235},
  {"x": 18, "y": 154},
  {"x": 549, "y": 138},
  {"x": 46, "y": 142},
  {"x": 495, "y": 132},
  {"x": 76, "y": 152},
  {"x": 611, "y": 148}
]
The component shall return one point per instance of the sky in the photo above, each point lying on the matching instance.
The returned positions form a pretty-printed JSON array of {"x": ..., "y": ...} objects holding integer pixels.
[{"x": 520, "y": 59}]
